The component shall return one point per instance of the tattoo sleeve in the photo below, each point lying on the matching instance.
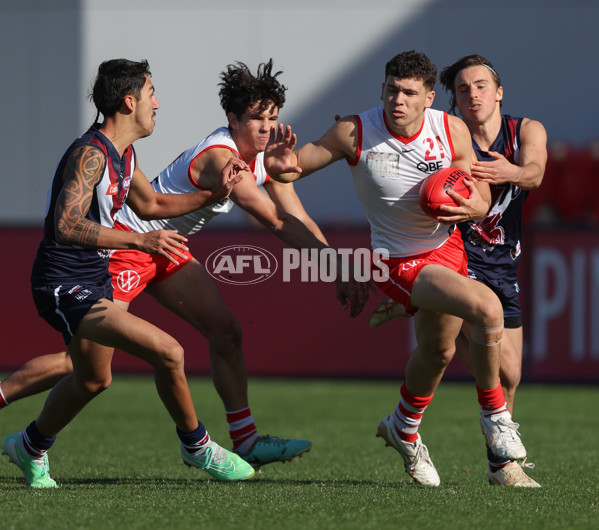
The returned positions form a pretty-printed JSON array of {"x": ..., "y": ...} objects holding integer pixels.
[{"x": 83, "y": 171}]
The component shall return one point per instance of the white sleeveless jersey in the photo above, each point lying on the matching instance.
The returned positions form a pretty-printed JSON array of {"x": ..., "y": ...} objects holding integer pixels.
[
  {"x": 176, "y": 178},
  {"x": 387, "y": 173}
]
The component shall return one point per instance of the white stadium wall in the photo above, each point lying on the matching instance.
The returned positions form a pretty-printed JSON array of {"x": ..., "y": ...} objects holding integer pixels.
[{"x": 332, "y": 53}]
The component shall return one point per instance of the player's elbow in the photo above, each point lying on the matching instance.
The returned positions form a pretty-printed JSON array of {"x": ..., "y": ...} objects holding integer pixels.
[
  {"x": 150, "y": 212},
  {"x": 63, "y": 232},
  {"x": 146, "y": 216},
  {"x": 277, "y": 226},
  {"x": 285, "y": 178},
  {"x": 534, "y": 173},
  {"x": 60, "y": 234},
  {"x": 536, "y": 183}
]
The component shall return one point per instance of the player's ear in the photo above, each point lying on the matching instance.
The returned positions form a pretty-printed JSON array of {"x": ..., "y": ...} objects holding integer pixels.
[
  {"x": 499, "y": 93},
  {"x": 233, "y": 120},
  {"x": 129, "y": 101},
  {"x": 430, "y": 97}
]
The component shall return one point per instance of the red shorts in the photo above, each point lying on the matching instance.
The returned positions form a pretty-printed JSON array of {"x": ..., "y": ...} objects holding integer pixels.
[
  {"x": 403, "y": 271},
  {"x": 133, "y": 270}
]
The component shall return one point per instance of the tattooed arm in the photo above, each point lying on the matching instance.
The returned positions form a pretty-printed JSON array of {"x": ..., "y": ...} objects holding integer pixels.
[{"x": 83, "y": 171}]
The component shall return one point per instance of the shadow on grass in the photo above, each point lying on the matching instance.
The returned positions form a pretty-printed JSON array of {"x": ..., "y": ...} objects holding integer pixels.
[{"x": 9, "y": 483}]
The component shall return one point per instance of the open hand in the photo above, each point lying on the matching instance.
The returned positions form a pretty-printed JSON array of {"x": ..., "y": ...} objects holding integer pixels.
[
  {"x": 473, "y": 207},
  {"x": 230, "y": 175},
  {"x": 498, "y": 171},
  {"x": 164, "y": 242},
  {"x": 278, "y": 152}
]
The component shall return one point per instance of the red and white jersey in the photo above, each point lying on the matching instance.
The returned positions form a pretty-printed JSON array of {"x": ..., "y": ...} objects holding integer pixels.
[
  {"x": 387, "y": 173},
  {"x": 176, "y": 178}
]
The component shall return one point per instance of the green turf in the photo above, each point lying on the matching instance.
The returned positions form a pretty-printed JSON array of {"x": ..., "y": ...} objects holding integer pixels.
[{"x": 118, "y": 463}]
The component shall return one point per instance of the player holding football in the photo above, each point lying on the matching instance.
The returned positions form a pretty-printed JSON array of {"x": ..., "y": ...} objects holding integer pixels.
[
  {"x": 390, "y": 150},
  {"x": 251, "y": 104},
  {"x": 71, "y": 285},
  {"x": 511, "y": 154}
]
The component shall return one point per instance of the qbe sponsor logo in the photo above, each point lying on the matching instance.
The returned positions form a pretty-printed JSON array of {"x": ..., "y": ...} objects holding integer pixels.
[{"x": 241, "y": 264}]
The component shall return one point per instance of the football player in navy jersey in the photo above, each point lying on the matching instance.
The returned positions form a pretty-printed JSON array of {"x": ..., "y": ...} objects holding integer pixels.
[
  {"x": 71, "y": 284},
  {"x": 511, "y": 153},
  {"x": 251, "y": 103}
]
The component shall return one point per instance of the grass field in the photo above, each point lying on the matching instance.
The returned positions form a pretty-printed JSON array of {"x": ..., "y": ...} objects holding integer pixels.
[{"x": 118, "y": 463}]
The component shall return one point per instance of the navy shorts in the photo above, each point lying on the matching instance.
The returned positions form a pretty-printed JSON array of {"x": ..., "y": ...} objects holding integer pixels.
[
  {"x": 507, "y": 290},
  {"x": 64, "y": 306}
]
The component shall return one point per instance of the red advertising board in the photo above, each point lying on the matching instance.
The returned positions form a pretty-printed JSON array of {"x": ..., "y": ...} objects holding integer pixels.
[
  {"x": 298, "y": 328},
  {"x": 562, "y": 317}
]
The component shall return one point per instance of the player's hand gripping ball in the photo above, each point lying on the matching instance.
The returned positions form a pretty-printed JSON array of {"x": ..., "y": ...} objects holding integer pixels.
[{"x": 433, "y": 190}]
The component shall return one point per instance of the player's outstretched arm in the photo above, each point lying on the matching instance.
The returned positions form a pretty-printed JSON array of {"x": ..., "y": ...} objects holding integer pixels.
[
  {"x": 83, "y": 171},
  {"x": 284, "y": 164},
  {"x": 148, "y": 204},
  {"x": 287, "y": 201}
]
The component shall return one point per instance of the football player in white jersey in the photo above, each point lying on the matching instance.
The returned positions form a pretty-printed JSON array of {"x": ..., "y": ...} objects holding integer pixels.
[
  {"x": 511, "y": 154},
  {"x": 251, "y": 103},
  {"x": 390, "y": 150}
]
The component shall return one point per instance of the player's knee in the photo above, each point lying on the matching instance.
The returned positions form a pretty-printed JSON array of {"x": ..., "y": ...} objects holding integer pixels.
[
  {"x": 66, "y": 364},
  {"x": 489, "y": 312},
  {"x": 227, "y": 335},
  {"x": 445, "y": 355},
  {"x": 486, "y": 336},
  {"x": 96, "y": 385},
  {"x": 171, "y": 355},
  {"x": 439, "y": 355},
  {"x": 495, "y": 314},
  {"x": 235, "y": 333},
  {"x": 510, "y": 378}
]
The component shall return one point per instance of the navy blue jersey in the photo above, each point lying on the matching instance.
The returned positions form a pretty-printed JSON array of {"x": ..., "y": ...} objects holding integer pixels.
[
  {"x": 58, "y": 263},
  {"x": 493, "y": 244}
]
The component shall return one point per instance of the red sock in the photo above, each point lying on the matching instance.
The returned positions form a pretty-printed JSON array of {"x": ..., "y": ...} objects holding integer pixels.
[
  {"x": 491, "y": 401},
  {"x": 242, "y": 430},
  {"x": 408, "y": 414}
]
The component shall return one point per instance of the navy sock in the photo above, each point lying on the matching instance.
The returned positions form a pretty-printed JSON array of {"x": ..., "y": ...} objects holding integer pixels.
[
  {"x": 35, "y": 442},
  {"x": 192, "y": 439},
  {"x": 495, "y": 462}
]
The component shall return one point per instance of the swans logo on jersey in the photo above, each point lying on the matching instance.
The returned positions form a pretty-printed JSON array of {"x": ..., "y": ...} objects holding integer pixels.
[
  {"x": 127, "y": 280},
  {"x": 384, "y": 165},
  {"x": 241, "y": 264}
]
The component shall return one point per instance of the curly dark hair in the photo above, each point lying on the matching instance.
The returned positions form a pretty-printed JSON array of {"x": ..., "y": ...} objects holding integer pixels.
[
  {"x": 241, "y": 90},
  {"x": 117, "y": 78},
  {"x": 412, "y": 65},
  {"x": 449, "y": 73}
]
